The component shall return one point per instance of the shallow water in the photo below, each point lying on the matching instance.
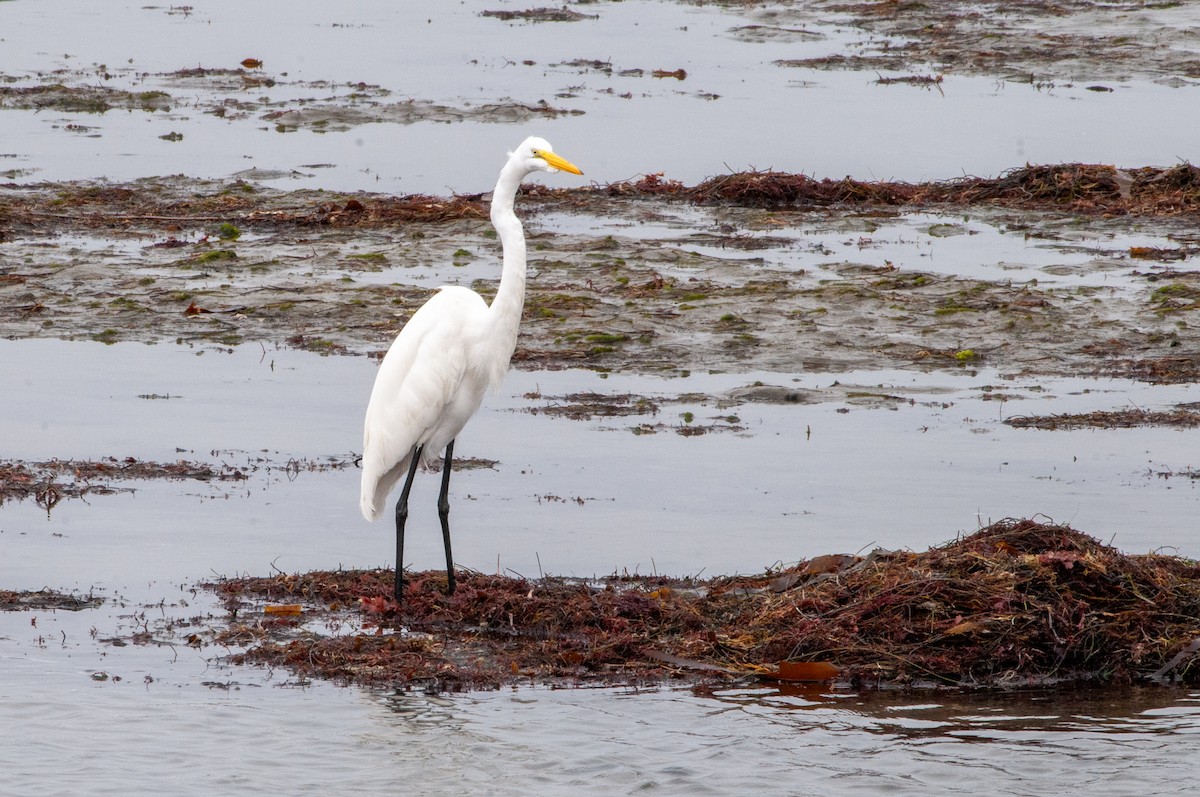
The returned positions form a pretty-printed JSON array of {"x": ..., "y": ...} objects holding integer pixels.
[
  {"x": 779, "y": 489},
  {"x": 567, "y": 497},
  {"x": 176, "y": 724},
  {"x": 796, "y": 481},
  {"x": 765, "y": 116}
]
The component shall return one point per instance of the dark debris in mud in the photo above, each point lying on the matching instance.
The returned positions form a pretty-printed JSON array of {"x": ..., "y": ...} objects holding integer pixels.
[
  {"x": 297, "y": 268},
  {"x": 1046, "y": 44},
  {"x": 82, "y": 99},
  {"x": 587, "y": 405},
  {"x": 923, "y": 81},
  {"x": 1169, "y": 370},
  {"x": 37, "y": 207},
  {"x": 51, "y": 481},
  {"x": 240, "y": 94},
  {"x": 1077, "y": 187},
  {"x": 1020, "y": 603},
  {"x": 45, "y": 600},
  {"x": 1114, "y": 419},
  {"x": 562, "y": 14}
]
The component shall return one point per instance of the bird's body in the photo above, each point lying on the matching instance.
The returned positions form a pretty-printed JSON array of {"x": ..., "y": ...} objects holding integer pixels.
[
  {"x": 452, "y": 350},
  {"x": 432, "y": 381}
]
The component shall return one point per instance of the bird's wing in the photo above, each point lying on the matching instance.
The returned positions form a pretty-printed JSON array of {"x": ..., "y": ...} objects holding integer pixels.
[{"x": 424, "y": 391}]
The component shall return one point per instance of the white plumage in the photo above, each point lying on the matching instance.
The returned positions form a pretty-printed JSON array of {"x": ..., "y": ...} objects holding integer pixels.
[
  {"x": 452, "y": 350},
  {"x": 431, "y": 382}
]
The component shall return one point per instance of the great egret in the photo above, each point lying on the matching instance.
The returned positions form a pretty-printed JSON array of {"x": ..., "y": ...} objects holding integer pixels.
[{"x": 433, "y": 377}]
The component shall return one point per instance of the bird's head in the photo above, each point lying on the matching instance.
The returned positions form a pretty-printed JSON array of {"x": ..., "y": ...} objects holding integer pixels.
[{"x": 536, "y": 155}]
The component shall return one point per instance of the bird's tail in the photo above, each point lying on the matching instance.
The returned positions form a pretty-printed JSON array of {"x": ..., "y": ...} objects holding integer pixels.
[{"x": 376, "y": 485}]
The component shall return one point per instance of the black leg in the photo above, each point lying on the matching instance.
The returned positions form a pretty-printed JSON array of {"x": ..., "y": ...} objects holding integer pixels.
[
  {"x": 444, "y": 516},
  {"x": 401, "y": 518}
]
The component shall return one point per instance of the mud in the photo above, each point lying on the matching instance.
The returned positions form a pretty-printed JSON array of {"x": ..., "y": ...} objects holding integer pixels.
[
  {"x": 651, "y": 277},
  {"x": 45, "y": 600},
  {"x": 48, "y": 483},
  {"x": 239, "y": 95},
  {"x": 1120, "y": 419},
  {"x": 1028, "y": 42},
  {"x": 563, "y": 14}
]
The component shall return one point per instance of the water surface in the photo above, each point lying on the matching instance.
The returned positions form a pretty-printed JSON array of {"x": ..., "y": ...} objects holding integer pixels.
[{"x": 569, "y": 497}]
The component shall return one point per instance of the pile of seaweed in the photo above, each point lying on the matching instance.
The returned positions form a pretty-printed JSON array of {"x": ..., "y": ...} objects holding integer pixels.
[
  {"x": 1019, "y": 603},
  {"x": 1072, "y": 187},
  {"x": 1077, "y": 187}
]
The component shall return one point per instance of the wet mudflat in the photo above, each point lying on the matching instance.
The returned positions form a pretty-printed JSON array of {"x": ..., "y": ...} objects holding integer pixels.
[
  {"x": 208, "y": 237},
  {"x": 1090, "y": 274}
]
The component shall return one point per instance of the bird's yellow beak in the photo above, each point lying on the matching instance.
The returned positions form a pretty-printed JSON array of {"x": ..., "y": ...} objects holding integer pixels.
[{"x": 558, "y": 163}]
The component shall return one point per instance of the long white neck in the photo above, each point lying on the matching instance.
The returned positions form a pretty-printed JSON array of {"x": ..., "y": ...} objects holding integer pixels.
[{"x": 510, "y": 296}]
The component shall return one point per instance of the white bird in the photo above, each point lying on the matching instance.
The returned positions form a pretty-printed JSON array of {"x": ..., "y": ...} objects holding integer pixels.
[{"x": 452, "y": 350}]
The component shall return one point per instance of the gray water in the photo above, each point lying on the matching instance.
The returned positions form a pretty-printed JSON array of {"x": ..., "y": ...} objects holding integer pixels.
[
  {"x": 566, "y": 497},
  {"x": 179, "y": 717},
  {"x": 824, "y": 123}
]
